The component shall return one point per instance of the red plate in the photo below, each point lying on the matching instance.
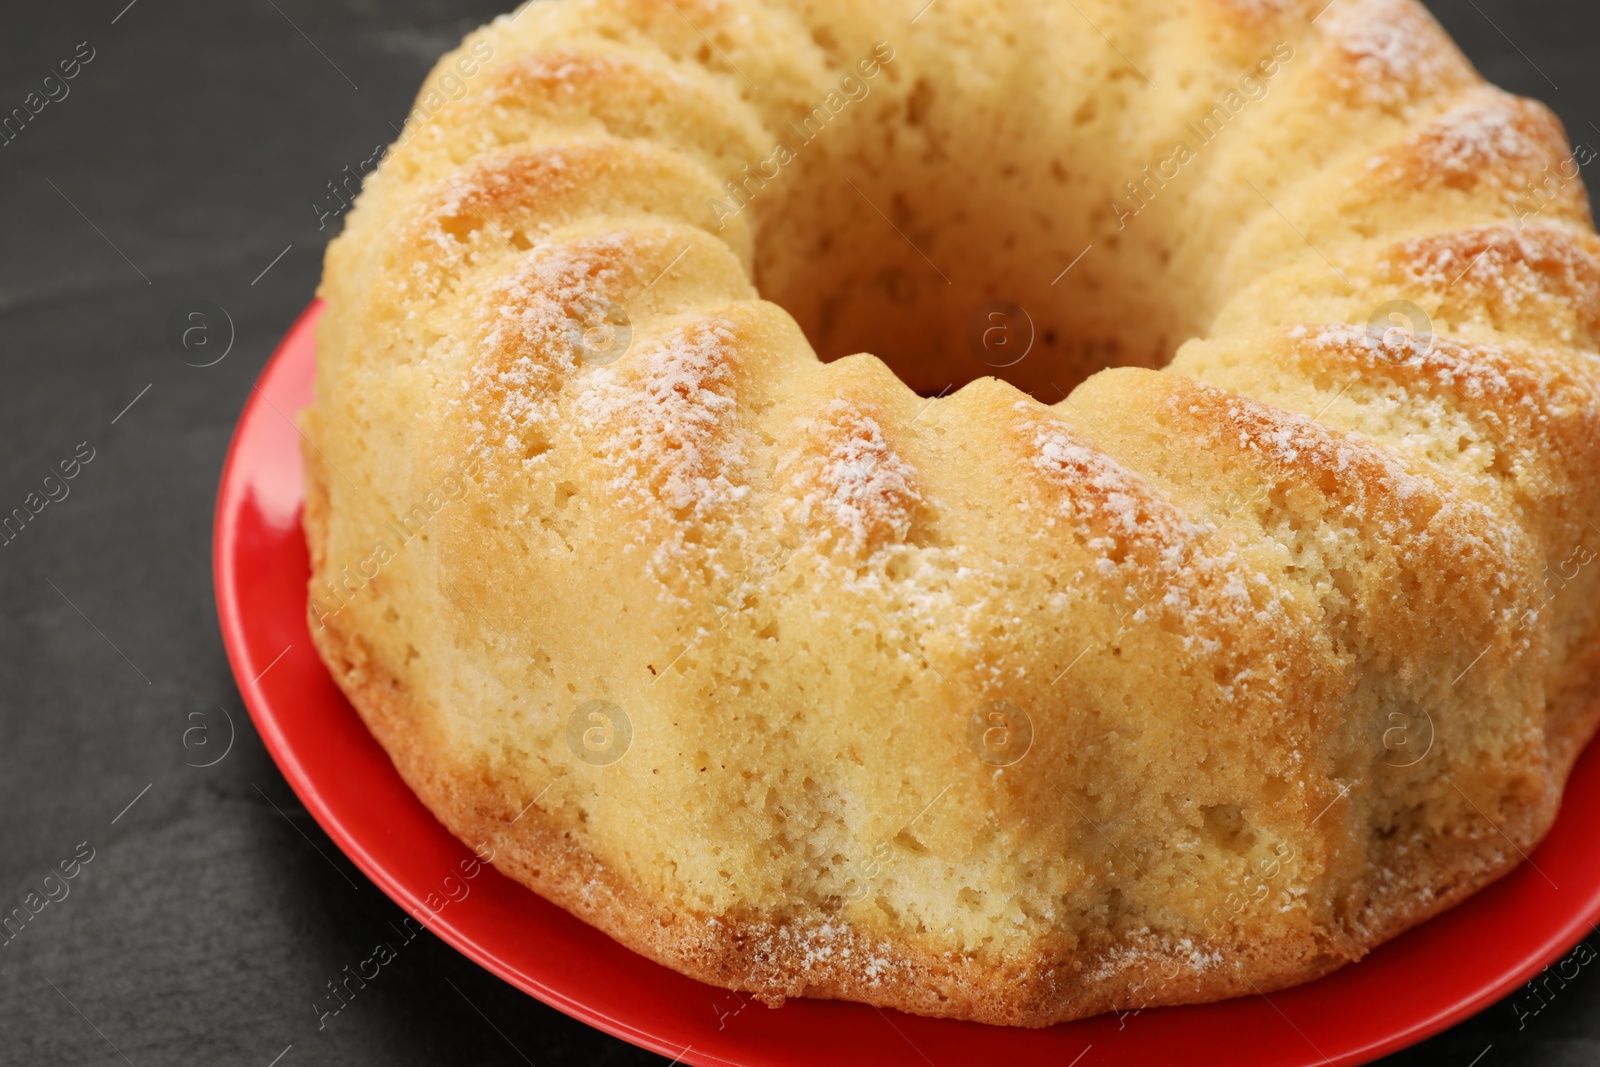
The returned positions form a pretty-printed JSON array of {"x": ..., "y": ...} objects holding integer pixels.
[{"x": 1410, "y": 988}]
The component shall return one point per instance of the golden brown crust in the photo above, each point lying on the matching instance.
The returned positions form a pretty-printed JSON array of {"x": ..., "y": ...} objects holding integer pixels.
[
  {"x": 774, "y": 963},
  {"x": 975, "y": 706}
]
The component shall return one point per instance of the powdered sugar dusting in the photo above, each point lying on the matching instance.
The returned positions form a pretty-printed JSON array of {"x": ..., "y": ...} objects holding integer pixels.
[
  {"x": 1473, "y": 138},
  {"x": 1373, "y": 502},
  {"x": 1120, "y": 490},
  {"x": 569, "y": 73},
  {"x": 1167, "y": 560},
  {"x": 861, "y": 484},
  {"x": 1397, "y": 53},
  {"x": 526, "y": 329},
  {"x": 1475, "y": 372},
  {"x": 1489, "y": 408},
  {"x": 820, "y": 951},
  {"x": 665, "y": 423},
  {"x": 1144, "y": 953},
  {"x": 1537, "y": 282}
]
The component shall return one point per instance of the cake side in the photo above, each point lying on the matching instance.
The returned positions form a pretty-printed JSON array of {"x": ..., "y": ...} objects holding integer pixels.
[{"x": 774, "y": 960}]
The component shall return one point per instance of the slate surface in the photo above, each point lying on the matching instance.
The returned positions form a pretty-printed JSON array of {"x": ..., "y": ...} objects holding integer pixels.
[{"x": 183, "y": 164}]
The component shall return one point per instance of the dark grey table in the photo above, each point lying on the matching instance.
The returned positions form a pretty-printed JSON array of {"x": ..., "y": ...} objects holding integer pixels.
[{"x": 182, "y": 163}]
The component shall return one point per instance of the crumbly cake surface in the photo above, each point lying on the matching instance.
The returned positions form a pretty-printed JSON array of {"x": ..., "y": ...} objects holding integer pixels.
[{"x": 1012, "y": 698}]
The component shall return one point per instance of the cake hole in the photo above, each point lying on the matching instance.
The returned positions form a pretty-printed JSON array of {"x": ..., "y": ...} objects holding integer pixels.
[
  {"x": 538, "y": 445},
  {"x": 906, "y": 840},
  {"x": 461, "y": 227},
  {"x": 945, "y": 236},
  {"x": 1227, "y": 827}
]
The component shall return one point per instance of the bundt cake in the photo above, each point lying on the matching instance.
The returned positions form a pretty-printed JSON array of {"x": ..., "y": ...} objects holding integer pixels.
[{"x": 1192, "y": 593}]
